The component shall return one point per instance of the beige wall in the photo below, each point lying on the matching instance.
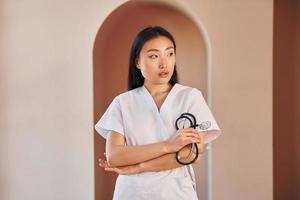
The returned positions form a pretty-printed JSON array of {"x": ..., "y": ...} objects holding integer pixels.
[
  {"x": 46, "y": 99},
  {"x": 241, "y": 34},
  {"x": 47, "y": 114}
]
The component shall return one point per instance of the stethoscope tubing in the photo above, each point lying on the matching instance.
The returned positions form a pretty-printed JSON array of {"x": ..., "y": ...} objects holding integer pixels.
[{"x": 193, "y": 124}]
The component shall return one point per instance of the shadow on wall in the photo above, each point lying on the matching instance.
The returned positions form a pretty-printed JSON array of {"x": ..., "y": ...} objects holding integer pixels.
[{"x": 111, "y": 57}]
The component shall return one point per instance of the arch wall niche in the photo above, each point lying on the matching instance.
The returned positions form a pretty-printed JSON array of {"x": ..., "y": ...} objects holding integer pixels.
[{"x": 110, "y": 59}]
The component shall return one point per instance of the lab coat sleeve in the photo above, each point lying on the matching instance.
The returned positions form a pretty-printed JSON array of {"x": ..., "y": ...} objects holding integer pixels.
[
  {"x": 204, "y": 116},
  {"x": 111, "y": 120}
]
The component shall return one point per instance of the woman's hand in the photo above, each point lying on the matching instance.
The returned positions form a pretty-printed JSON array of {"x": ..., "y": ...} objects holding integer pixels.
[
  {"x": 124, "y": 170},
  {"x": 183, "y": 137}
]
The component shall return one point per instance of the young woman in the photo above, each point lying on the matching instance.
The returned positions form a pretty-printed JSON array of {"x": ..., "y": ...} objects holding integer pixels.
[{"x": 149, "y": 142}]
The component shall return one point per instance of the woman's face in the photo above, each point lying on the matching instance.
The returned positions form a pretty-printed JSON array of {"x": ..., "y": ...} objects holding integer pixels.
[{"x": 157, "y": 60}]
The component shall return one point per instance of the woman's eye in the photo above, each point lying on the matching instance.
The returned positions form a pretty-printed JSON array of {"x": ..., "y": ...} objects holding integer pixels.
[
  {"x": 153, "y": 56},
  {"x": 171, "y": 54}
]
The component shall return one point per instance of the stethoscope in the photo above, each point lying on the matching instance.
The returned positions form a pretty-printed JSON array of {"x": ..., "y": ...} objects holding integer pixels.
[{"x": 193, "y": 124}]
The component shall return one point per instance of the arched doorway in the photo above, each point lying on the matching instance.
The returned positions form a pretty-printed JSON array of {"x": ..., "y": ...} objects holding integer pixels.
[{"x": 110, "y": 59}]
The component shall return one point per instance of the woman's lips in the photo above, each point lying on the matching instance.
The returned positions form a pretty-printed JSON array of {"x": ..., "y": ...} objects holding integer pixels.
[{"x": 163, "y": 74}]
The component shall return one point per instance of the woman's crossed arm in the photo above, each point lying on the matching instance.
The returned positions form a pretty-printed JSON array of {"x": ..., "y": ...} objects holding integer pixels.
[
  {"x": 164, "y": 161},
  {"x": 119, "y": 154}
]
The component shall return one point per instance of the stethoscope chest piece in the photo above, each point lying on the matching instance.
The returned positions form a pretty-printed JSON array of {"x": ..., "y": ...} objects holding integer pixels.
[{"x": 204, "y": 125}]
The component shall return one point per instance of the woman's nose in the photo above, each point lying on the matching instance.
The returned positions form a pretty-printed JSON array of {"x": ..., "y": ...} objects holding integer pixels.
[{"x": 163, "y": 63}]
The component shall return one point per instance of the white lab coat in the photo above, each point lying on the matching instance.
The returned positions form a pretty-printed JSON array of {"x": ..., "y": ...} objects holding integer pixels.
[{"x": 135, "y": 115}]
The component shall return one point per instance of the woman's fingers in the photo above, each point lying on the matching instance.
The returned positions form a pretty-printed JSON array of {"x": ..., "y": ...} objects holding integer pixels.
[
  {"x": 189, "y": 137},
  {"x": 190, "y": 134},
  {"x": 111, "y": 169},
  {"x": 103, "y": 163},
  {"x": 189, "y": 141},
  {"x": 183, "y": 141},
  {"x": 188, "y": 130},
  {"x": 183, "y": 138}
]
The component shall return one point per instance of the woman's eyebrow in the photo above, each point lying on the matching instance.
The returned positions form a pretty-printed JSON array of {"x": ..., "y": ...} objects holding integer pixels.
[{"x": 170, "y": 47}]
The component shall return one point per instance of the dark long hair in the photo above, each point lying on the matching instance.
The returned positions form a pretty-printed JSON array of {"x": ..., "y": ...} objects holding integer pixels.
[{"x": 135, "y": 77}]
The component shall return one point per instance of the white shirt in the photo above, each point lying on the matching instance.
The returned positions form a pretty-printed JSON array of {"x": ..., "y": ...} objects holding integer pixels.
[{"x": 135, "y": 115}]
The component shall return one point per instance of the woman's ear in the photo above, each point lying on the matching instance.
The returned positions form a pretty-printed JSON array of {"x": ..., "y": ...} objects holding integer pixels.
[{"x": 137, "y": 64}]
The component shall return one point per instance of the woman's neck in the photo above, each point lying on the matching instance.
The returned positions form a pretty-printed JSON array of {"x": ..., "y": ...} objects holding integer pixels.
[{"x": 156, "y": 89}]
